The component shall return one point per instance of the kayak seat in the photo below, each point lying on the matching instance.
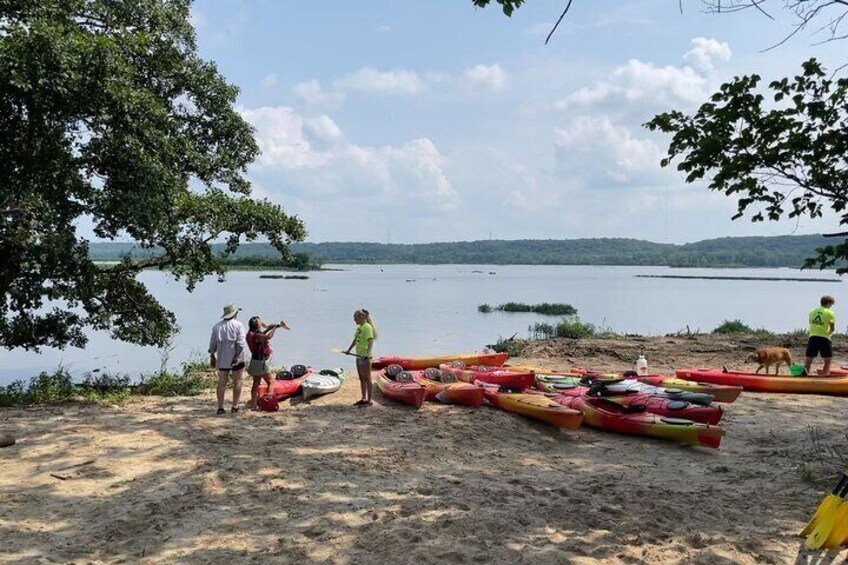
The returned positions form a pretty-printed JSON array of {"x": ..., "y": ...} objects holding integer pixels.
[{"x": 677, "y": 421}]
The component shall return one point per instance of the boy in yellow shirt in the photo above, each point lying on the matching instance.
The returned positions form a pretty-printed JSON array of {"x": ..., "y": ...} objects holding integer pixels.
[{"x": 822, "y": 325}]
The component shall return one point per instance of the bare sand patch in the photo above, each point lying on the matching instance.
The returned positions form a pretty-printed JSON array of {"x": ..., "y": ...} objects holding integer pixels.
[{"x": 166, "y": 481}]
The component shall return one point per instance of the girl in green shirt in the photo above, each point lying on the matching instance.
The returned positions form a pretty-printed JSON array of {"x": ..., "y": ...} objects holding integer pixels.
[{"x": 363, "y": 341}]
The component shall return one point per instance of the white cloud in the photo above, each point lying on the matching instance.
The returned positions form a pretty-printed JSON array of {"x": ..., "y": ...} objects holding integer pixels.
[
  {"x": 594, "y": 152},
  {"x": 281, "y": 138},
  {"x": 324, "y": 129},
  {"x": 311, "y": 94},
  {"x": 383, "y": 28},
  {"x": 373, "y": 81},
  {"x": 270, "y": 80},
  {"x": 705, "y": 53},
  {"x": 311, "y": 157},
  {"x": 486, "y": 77},
  {"x": 644, "y": 85},
  {"x": 436, "y": 77}
]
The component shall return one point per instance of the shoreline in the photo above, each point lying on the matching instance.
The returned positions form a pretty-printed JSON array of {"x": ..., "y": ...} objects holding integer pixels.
[
  {"x": 605, "y": 341},
  {"x": 163, "y": 480},
  {"x": 740, "y": 278}
]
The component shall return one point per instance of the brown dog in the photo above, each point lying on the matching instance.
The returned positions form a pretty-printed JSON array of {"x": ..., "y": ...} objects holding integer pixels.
[{"x": 768, "y": 356}]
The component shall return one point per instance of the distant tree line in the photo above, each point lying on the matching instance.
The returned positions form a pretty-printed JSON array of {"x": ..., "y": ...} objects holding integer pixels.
[{"x": 780, "y": 251}]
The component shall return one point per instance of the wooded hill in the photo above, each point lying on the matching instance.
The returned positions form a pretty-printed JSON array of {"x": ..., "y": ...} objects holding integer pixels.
[{"x": 779, "y": 251}]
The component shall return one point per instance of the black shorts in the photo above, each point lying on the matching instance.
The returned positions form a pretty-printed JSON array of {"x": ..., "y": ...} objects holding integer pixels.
[{"x": 818, "y": 345}]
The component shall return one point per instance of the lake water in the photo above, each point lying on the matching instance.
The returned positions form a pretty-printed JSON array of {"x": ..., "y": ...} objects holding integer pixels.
[{"x": 426, "y": 309}]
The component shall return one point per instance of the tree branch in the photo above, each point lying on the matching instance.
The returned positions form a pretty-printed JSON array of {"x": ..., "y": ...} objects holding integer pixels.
[{"x": 556, "y": 25}]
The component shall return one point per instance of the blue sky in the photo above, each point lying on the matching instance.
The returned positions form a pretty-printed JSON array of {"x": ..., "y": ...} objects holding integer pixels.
[{"x": 431, "y": 120}]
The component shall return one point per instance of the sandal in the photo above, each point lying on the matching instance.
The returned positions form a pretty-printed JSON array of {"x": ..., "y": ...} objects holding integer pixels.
[
  {"x": 221, "y": 411},
  {"x": 365, "y": 403},
  {"x": 359, "y": 403},
  {"x": 234, "y": 409}
]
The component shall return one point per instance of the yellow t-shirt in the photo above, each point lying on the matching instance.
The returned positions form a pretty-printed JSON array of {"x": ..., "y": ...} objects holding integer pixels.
[
  {"x": 364, "y": 332},
  {"x": 820, "y": 320}
]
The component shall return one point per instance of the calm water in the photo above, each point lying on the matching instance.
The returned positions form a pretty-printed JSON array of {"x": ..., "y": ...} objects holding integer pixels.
[{"x": 424, "y": 309}]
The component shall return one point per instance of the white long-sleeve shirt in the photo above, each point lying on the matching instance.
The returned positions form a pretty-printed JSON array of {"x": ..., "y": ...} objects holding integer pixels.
[{"x": 228, "y": 343}]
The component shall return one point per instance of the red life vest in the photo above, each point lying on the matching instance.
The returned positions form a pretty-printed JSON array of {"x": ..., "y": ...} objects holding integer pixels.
[{"x": 259, "y": 350}]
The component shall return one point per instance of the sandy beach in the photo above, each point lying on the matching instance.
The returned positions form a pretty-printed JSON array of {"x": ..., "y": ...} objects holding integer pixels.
[{"x": 163, "y": 480}]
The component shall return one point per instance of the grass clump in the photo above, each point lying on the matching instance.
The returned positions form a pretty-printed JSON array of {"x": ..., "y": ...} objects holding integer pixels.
[
  {"x": 542, "y": 330},
  {"x": 46, "y": 388},
  {"x": 512, "y": 347},
  {"x": 571, "y": 328},
  {"x": 733, "y": 327},
  {"x": 740, "y": 327},
  {"x": 58, "y": 386},
  {"x": 545, "y": 308},
  {"x": 164, "y": 383},
  {"x": 823, "y": 457},
  {"x": 574, "y": 328},
  {"x": 105, "y": 387}
]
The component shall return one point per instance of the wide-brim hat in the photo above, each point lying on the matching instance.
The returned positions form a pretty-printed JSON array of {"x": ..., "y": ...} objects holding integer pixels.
[{"x": 230, "y": 311}]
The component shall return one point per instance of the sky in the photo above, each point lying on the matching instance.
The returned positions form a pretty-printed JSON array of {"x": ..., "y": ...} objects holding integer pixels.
[{"x": 412, "y": 121}]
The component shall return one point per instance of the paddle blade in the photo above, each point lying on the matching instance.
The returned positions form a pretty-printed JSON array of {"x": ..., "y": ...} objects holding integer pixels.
[
  {"x": 829, "y": 502},
  {"x": 839, "y": 533},
  {"x": 827, "y": 521},
  {"x": 829, "y": 505},
  {"x": 825, "y": 506}
]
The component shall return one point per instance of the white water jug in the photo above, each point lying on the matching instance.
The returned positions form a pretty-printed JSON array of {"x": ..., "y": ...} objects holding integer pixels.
[{"x": 641, "y": 366}]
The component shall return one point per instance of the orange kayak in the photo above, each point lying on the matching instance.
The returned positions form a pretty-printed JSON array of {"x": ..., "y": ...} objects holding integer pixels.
[
  {"x": 534, "y": 406},
  {"x": 454, "y": 393},
  {"x": 409, "y": 392},
  {"x": 420, "y": 363}
]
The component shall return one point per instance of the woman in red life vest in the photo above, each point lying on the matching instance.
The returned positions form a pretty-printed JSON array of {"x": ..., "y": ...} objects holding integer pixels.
[{"x": 259, "y": 341}]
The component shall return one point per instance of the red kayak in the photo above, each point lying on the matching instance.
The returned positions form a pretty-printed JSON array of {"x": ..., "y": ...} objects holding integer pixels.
[
  {"x": 452, "y": 393},
  {"x": 519, "y": 380},
  {"x": 408, "y": 392},
  {"x": 421, "y": 363},
  {"x": 603, "y": 414},
  {"x": 635, "y": 403},
  {"x": 282, "y": 388}
]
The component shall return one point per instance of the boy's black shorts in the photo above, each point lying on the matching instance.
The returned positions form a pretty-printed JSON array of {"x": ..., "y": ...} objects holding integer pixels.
[{"x": 818, "y": 345}]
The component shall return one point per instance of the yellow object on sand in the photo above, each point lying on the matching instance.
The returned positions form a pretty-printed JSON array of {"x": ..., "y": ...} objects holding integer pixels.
[{"x": 825, "y": 527}]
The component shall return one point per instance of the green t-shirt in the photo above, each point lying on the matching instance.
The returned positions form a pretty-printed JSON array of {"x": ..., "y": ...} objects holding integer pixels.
[
  {"x": 820, "y": 320},
  {"x": 364, "y": 332}
]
